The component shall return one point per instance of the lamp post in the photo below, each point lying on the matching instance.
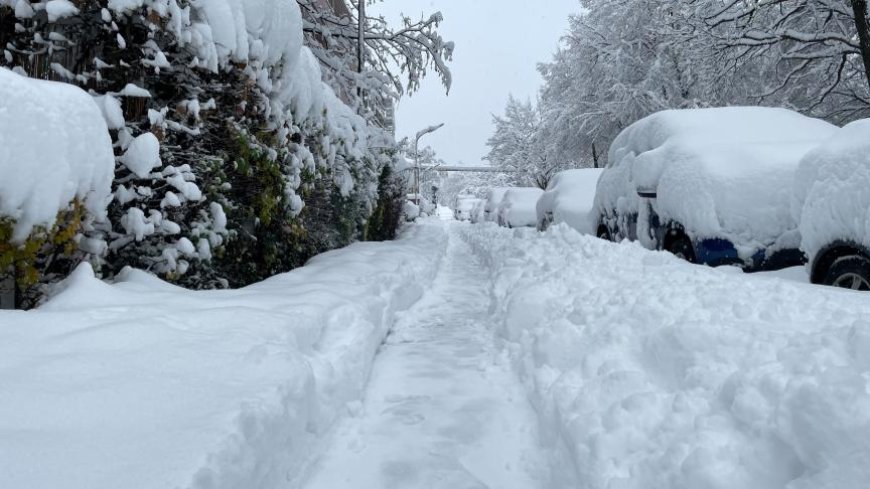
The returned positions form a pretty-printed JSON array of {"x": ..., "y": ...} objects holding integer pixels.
[{"x": 420, "y": 134}]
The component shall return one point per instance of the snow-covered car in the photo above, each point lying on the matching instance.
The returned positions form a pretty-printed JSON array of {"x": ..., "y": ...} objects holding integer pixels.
[
  {"x": 478, "y": 211},
  {"x": 832, "y": 204},
  {"x": 570, "y": 198},
  {"x": 493, "y": 199},
  {"x": 517, "y": 208},
  {"x": 462, "y": 207},
  {"x": 713, "y": 186}
]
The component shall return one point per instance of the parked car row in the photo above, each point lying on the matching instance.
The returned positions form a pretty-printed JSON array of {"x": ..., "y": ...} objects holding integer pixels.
[{"x": 759, "y": 188}]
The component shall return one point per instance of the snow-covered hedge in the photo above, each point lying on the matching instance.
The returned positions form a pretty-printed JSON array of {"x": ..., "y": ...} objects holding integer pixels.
[
  {"x": 720, "y": 173},
  {"x": 234, "y": 160},
  {"x": 54, "y": 149},
  {"x": 832, "y": 191},
  {"x": 141, "y": 384},
  {"x": 654, "y": 373}
]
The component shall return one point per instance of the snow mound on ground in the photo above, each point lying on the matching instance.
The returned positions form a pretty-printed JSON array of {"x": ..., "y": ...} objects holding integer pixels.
[
  {"x": 660, "y": 374},
  {"x": 54, "y": 147},
  {"x": 831, "y": 200},
  {"x": 721, "y": 173},
  {"x": 570, "y": 198},
  {"x": 517, "y": 208},
  {"x": 143, "y": 384}
]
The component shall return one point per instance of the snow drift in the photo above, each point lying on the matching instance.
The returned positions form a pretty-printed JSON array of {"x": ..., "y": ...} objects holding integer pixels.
[
  {"x": 720, "y": 173},
  {"x": 659, "y": 374},
  {"x": 142, "y": 384},
  {"x": 54, "y": 148}
]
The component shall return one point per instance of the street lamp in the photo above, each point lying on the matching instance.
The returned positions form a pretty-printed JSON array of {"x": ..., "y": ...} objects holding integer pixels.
[{"x": 420, "y": 134}]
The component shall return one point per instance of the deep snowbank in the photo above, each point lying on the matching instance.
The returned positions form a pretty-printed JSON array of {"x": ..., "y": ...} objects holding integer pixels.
[
  {"x": 54, "y": 147},
  {"x": 660, "y": 374},
  {"x": 144, "y": 385}
]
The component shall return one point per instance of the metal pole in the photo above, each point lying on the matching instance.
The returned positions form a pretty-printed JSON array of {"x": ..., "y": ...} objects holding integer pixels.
[
  {"x": 417, "y": 170},
  {"x": 361, "y": 42},
  {"x": 419, "y": 135}
]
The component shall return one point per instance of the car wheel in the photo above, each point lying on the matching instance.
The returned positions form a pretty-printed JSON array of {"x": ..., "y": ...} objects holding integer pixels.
[
  {"x": 682, "y": 248},
  {"x": 850, "y": 272},
  {"x": 603, "y": 233}
]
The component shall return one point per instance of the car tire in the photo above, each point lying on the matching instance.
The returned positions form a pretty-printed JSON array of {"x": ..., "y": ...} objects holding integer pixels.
[
  {"x": 849, "y": 272},
  {"x": 603, "y": 233},
  {"x": 682, "y": 248}
]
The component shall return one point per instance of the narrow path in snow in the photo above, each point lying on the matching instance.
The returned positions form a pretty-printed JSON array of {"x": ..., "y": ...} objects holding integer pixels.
[{"x": 443, "y": 409}]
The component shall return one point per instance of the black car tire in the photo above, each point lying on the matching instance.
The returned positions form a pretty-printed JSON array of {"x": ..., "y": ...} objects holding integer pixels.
[
  {"x": 682, "y": 248},
  {"x": 849, "y": 272},
  {"x": 603, "y": 233}
]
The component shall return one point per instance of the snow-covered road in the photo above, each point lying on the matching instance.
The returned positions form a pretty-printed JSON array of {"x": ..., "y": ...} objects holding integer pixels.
[
  {"x": 458, "y": 356},
  {"x": 443, "y": 408}
]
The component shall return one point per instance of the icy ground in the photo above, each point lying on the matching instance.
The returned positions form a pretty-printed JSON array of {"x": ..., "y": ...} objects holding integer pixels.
[{"x": 460, "y": 356}]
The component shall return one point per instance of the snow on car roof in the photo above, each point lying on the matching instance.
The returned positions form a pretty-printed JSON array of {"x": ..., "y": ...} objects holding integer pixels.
[{"x": 721, "y": 172}]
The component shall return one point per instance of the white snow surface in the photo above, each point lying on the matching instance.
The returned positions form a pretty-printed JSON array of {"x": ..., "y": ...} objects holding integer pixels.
[
  {"x": 444, "y": 410},
  {"x": 143, "y": 385},
  {"x": 517, "y": 208},
  {"x": 570, "y": 198},
  {"x": 54, "y": 147},
  {"x": 659, "y": 374},
  {"x": 721, "y": 172},
  {"x": 831, "y": 200}
]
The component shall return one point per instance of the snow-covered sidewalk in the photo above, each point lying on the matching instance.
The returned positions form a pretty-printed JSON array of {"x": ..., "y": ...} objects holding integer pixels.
[
  {"x": 143, "y": 385},
  {"x": 443, "y": 408}
]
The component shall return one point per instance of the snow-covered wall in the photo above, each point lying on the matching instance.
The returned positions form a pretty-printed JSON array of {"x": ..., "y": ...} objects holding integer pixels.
[{"x": 54, "y": 148}]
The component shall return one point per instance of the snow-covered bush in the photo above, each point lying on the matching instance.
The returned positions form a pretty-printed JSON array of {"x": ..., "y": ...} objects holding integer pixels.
[
  {"x": 56, "y": 168},
  {"x": 224, "y": 132}
]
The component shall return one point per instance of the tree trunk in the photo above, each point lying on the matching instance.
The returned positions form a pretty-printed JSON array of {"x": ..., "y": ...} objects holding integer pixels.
[
  {"x": 594, "y": 156},
  {"x": 860, "y": 9}
]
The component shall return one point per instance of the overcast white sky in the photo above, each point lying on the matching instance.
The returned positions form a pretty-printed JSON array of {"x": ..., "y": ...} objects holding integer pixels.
[{"x": 498, "y": 45}]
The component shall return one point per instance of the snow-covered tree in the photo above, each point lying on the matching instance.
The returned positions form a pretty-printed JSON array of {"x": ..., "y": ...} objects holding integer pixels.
[
  {"x": 815, "y": 53},
  {"x": 394, "y": 58},
  {"x": 516, "y": 145}
]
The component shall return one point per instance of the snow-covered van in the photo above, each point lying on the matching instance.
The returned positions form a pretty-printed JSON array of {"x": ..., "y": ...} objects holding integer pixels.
[
  {"x": 517, "y": 208},
  {"x": 570, "y": 198},
  {"x": 832, "y": 204},
  {"x": 713, "y": 186}
]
